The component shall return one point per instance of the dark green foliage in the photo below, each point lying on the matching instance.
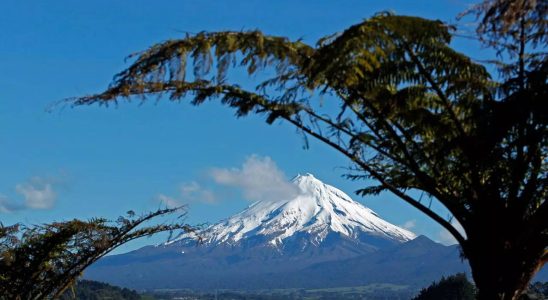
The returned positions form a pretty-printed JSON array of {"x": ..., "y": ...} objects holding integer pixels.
[
  {"x": 516, "y": 28},
  {"x": 407, "y": 110},
  {"x": 40, "y": 262},
  {"x": 93, "y": 290},
  {"x": 456, "y": 287}
]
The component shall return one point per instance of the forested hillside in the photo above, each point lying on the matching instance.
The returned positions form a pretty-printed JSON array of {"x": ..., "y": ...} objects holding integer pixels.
[{"x": 94, "y": 290}]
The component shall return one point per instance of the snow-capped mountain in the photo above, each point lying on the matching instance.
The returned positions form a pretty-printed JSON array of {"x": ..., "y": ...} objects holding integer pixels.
[
  {"x": 316, "y": 212},
  {"x": 319, "y": 237}
]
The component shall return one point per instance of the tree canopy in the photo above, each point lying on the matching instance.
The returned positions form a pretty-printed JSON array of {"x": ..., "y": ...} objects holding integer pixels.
[
  {"x": 455, "y": 287},
  {"x": 94, "y": 290},
  {"x": 41, "y": 262},
  {"x": 408, "y": 110}
]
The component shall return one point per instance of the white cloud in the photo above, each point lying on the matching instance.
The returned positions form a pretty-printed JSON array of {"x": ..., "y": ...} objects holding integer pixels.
[
  {"x": 259, "y": 179},
  {"x": 188, "y": 188},
  {"x": 194, "y": 192},
  {"x": 188, "y": 192},
  {"x": 447, "y": 238},
  {"x": 409, "y": 225},
  {"x": 38, "y": 193},
  {"x": 169, "y": 202}
]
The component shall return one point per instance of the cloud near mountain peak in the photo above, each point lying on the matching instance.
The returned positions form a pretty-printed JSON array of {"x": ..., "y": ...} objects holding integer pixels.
[{"x": 259, "y": 178}]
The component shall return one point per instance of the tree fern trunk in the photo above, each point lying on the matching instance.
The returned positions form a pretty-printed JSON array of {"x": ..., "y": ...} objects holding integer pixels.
[{"x": 502, "y": 267}]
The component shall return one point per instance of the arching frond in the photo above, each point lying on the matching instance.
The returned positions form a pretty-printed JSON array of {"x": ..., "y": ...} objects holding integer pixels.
[
  {"x": 40, "y": 262},
  {"x": 169, "y": 61}
]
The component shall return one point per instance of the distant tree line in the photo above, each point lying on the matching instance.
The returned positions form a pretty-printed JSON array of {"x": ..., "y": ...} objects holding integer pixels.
[
  {"x": 94, "y": 290},
  {"x": 455, "y": 287}
]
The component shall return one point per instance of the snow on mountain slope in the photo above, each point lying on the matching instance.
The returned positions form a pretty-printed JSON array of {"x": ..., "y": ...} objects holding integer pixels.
[{"x": 318, "y": 210}]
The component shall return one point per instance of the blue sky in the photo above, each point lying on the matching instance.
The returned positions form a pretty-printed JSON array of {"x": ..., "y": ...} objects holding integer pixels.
[{"x": 95, "y": 161}]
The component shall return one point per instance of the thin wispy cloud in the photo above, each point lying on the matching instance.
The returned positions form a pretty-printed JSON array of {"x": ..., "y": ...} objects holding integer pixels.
[
  {"x": 259, "y": 178},
  {"x": 188, "y": 192},
  {"x": 168, "y": 201},
  {"x": 38, "y": 193},
  {"x": 409, "y": 225},
  {"x": 194, "y": 192}
]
